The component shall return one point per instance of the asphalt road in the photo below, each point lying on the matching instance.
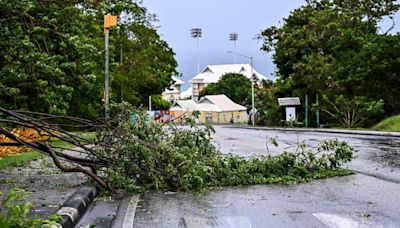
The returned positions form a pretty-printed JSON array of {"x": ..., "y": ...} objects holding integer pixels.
[{"x": 371, "y": 198}]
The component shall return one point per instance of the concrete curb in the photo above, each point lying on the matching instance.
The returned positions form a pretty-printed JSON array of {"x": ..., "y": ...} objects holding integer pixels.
[
  {"x": 325, "y": 130},
  {"x": 73, "y": 209}
]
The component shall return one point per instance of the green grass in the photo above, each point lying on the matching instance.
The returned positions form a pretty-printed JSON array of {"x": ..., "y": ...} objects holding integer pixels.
[
  {"x": 389, "y": 124},
  {"x": 23, "y": 159},
  {"x": 19, "y": 160}
]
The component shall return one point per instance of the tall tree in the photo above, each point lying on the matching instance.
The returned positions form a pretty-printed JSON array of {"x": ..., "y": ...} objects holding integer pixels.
[
  {"x": 52, "y": 56},
  {"x": 326, "y": 47}
]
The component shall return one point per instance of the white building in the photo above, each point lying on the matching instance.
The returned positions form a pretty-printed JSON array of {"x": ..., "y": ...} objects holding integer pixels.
[
  {"x": 213, "y": 73},
  {"x": 172, "y": 93}
]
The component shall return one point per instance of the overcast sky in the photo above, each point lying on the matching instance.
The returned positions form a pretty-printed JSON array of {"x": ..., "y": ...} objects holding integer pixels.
[{"x": 217, "y": 19}]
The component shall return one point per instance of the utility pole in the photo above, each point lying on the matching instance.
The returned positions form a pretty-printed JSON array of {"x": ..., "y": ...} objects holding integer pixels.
[{"x": 109, "y": 21}]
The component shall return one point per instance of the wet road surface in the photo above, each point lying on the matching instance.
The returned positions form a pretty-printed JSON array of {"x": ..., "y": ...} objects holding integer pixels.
[{"x": 371, "y": 198}]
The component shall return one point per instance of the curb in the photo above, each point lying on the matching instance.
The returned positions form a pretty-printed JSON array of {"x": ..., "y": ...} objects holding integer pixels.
[
  {"x": 73, "y": 209},
  {"x": 350, "y": 132}
]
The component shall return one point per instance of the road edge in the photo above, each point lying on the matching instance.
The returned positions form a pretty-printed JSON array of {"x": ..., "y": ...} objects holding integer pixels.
[
  {"x": 323, "y": 130},
  {"x": 73, "y": 208}
]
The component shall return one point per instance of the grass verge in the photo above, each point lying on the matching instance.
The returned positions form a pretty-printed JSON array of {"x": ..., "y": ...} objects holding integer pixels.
[
  {"x": 20, "y": 160},
  {"x": 389, "y": 124}
]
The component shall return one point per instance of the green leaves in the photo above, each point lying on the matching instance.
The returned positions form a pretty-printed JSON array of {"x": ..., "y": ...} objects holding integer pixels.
[
  {"x": 235, "y": 86},
  {"x": 16, "y": 211},
  {"x": 148, "y": 156},
  {"x": 352, "y": 112},
  {"x": 333, "y": 48},
  {"x": 52, "y": 56}
]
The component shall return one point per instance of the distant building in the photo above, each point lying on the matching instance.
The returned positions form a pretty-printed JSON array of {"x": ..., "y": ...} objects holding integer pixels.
[
  {"x": 213, "y": 73},
  {"x": 173, "y": 93},
  {"x": 216, "y": 109}
]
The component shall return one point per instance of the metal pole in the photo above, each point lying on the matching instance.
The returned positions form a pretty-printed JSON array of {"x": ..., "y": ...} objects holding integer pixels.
[
  {"x": 234, "y": 37},
  {"x": 306, "y": 114},
  {"x": 234, "y": 48},
  {"x": 149, "y": 103},
  {"x": 317, "y": 111},
  {"x": 252, "y": 84},
  {"x": 107, "y": 77},
  {"x": 198, "y": 57},
  {"x": 252, "y": 92}
]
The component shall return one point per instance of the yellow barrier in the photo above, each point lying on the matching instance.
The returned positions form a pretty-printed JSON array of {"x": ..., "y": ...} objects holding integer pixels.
[{"x": 27, "y": 134}]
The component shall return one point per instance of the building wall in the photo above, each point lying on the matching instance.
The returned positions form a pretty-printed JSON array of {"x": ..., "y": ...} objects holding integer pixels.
[
  {"x": 224, "y": 117},
  {"x": 239, "y": 117}
]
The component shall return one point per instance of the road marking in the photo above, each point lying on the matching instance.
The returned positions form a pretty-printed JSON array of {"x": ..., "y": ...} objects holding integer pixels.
[
  {"x": 130, "y": 212},
  {"x": 217, "y": 222},
  {"x": 342, "y": 221}
]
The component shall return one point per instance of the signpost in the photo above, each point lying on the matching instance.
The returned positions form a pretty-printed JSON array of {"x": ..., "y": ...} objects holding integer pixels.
[{"x": 109, "y": 21}]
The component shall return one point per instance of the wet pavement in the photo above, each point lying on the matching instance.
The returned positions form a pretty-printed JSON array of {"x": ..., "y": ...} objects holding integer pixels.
[
  {"x": 377, "y": 156},
  {"x": 354, "y": 201},
  {"x": 371, "y": 198}
]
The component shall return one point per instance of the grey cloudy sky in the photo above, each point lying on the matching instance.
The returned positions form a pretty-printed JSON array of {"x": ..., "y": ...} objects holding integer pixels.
[{"x": 217, "y": 19}]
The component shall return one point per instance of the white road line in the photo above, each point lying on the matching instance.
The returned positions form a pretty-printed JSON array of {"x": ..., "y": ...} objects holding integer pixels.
[
  {"x": 343, "y": 221},
  {"x": 218, "y": 222},
  {"x": 130, "y": 212}
]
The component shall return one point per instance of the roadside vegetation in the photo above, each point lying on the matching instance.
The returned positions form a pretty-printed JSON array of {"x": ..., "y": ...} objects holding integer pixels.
[
  {"x": 15, "y": 211},
  {"x": 389, "y": 124},
  {"x": 136, "y": 154},
  {"x": 148, "y": 156},
  {"x": 334, "y": 50},
  {"x": 23, "y": 159}
]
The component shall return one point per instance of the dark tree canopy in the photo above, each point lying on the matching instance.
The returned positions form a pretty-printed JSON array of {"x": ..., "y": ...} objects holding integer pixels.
[
  {"x": 52, "y": 55},
  {"x": 235, "y": 86},
  {"x": 333, "y": 48}
]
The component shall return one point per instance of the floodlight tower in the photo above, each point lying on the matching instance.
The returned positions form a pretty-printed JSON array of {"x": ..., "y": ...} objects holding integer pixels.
[
  {"x": 196, "y": 33},
  {"x": 234, "y": 37}
]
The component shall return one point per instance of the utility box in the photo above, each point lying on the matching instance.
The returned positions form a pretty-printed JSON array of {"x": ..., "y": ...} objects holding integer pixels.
[{"x": 290, "y": 103}]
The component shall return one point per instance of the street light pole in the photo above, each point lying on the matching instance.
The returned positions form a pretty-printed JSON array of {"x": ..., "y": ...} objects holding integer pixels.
[
  {"x": 252, "y": 92},
  {"x": 252, "y": 84},
  {"x": 234, "y": 37},
  {"x": 196, "y": 33}
]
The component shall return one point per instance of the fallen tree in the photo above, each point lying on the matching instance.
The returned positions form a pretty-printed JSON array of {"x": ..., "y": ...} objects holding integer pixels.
[{"x": 138, "y": 155}]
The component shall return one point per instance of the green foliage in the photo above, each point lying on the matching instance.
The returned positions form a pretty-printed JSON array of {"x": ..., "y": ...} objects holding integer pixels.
[
  {"x": 389, "y": 124},
  {"x": 354, "y": 112},
  {"x": 332, "y": 47},
  {"x": 270, "y": 113},
  {"x": 148, "y": 156},
  {"x": 235, "y": 86},
  {"x": 16, "y": 212},
  {"x": 52, "y": 56},
  {"x": 159, "y": 103}
]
